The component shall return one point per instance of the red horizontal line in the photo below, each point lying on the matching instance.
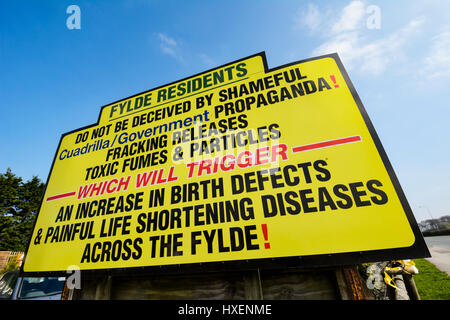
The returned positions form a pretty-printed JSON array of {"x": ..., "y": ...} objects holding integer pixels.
[
  {"x": 325, "y": 144},
  {"x": 59, "y": 196}
]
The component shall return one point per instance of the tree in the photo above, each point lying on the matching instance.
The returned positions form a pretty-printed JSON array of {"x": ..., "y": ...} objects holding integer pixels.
[
  {"x": 19, "y": 203},
  {"x": 12, "y": 264}
]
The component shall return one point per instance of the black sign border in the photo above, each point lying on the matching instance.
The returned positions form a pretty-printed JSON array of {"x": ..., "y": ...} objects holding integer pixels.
[{"x": 417, "y": 250}]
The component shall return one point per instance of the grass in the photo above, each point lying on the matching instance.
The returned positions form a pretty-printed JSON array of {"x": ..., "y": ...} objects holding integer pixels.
[{"x": 431, "y": 283}]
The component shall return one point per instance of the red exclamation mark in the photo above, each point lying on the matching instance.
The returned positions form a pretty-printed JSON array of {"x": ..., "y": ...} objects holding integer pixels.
[
  {"x": 266, "y": 237},
  {"x": 333, "y": 78}
]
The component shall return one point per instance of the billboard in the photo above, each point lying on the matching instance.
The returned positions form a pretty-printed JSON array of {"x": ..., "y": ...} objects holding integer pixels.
[{"x": 237, "y": 163}]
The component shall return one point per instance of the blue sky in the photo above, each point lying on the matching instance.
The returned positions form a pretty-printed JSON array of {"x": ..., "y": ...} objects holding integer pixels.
[{"x": 54, "y": 80}]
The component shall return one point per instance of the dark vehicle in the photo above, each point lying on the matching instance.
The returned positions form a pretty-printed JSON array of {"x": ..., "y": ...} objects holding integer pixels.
[
  {"x": 13, "y": 287},
  {"x": 7, "y": 284}
]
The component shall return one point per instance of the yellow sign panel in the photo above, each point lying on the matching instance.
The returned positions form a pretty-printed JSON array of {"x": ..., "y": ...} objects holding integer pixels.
[{"x": 237, "y": 163}]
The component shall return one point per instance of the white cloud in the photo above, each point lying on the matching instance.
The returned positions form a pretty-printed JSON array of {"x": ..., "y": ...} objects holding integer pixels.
[
  {"x": 437, "y": 62},
  {"x": 173, "y": 48},
  {"x": 169, "y": 46},
  {"x": 370, "y": 56},
  {"x": 167, "y": 40},
  {"x": 356, "y": 47},
  {"x": 351, "y": 17},
  {"x": 311, "y": 18},
  {"x": 207, "y": 60}
]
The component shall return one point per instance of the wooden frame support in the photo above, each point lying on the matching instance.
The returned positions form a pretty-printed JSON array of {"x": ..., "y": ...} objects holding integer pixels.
[
  {"x": 350, "y": 284},
  {"x": 252, "y": 284}
]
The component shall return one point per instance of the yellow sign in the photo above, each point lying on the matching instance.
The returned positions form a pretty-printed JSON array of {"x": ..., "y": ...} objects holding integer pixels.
[{"x": 236, "y": 163}]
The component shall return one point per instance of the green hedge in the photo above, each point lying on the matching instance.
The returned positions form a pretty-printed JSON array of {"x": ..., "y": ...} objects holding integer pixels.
[{"x": 436, "y": 233}]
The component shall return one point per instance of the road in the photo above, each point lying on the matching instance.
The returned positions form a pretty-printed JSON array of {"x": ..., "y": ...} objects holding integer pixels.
[{"x": 440, "y": 252}]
